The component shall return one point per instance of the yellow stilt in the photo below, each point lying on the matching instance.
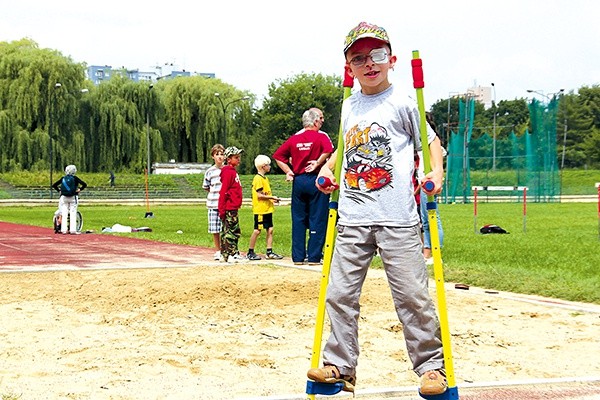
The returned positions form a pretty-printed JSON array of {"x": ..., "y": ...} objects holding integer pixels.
[
  {"x": 313, "y": 388},
  {"x": 438, "y": 270}
]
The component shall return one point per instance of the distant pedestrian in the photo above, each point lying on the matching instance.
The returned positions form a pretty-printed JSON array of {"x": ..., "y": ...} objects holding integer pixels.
[{"x": 111, "y": 179}]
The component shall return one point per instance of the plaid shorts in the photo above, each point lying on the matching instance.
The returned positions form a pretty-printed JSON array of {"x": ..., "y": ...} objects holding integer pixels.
[{"x": 214, "y": 222}]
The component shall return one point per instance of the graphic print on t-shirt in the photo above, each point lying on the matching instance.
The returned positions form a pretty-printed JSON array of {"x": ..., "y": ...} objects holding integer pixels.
[{"x": 368, "y": 158}]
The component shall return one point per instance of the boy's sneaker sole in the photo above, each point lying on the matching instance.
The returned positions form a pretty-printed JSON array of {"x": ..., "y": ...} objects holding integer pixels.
[{"x": 330, "y": 374}]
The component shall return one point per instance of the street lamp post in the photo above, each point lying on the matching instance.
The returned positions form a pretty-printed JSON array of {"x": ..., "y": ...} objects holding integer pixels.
[
  {"x": 224, "y": 109},
  {"x": 468, "y": 97},
  {"x": 494, "y": 132},
  {"x": 149, "y": 214},
  {"x": 548, "y": 96},
  {"x": 148, "y": 131},
  {"x": 52, "y": 105},
  {"x": 52, "y": 108},
  {"x": 562, "y": 162}
]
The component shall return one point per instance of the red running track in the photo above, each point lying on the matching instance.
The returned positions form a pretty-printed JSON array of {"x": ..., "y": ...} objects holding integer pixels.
[{"x": 31, "y": 248}]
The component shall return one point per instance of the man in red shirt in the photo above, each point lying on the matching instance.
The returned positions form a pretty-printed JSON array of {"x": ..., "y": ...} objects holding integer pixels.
[{"x": 301, "y": 157}]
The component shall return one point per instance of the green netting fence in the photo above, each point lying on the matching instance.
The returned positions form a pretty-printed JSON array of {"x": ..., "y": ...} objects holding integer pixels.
[{"x": 527, "y": 160}]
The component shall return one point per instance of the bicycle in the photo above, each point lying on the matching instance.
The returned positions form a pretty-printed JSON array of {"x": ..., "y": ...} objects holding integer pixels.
[{"x": 56, "y": 221}]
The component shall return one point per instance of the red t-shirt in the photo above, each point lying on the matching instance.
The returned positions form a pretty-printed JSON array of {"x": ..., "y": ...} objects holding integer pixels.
[
  {"x": 230, "y": 196},
  {"x": 415, "y": 180},
  {"x": 302, "y": 147}
]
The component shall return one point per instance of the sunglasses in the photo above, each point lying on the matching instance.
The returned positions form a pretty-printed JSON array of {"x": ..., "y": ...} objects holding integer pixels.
[{"x": 378, "y": 56}]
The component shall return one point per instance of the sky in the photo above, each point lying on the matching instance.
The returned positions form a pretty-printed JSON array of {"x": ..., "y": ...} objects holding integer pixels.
[{"x": 521, "y": 45}]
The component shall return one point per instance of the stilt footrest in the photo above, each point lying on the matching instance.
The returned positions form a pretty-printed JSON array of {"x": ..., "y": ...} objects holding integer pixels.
[
  {"x": 450, "y": 394},
  {"x": 323, "y": 388}
]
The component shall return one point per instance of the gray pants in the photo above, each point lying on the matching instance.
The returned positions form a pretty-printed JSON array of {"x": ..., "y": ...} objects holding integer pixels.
[{"x": 402, "y": 257}]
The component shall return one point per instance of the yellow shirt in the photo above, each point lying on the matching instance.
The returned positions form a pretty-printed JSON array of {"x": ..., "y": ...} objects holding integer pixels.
[{"x": 261, "y": 184}]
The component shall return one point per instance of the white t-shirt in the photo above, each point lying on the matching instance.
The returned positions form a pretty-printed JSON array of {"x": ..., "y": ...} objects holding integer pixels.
[
  {"x": 212, "y": 182},
  {"x": 378, "y": 160}
]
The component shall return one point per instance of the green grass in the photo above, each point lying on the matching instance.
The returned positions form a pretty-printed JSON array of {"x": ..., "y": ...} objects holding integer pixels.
[
  {"x": 575, "y": 182},
  {"x": 558, "y": 256}
]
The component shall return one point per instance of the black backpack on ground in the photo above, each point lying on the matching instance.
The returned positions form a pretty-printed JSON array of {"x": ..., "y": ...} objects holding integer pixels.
[{"x": 487, "y": 229}]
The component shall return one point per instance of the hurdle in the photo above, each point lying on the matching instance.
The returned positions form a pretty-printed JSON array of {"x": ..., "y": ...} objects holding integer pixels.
[{"x": 476, "y": 189}]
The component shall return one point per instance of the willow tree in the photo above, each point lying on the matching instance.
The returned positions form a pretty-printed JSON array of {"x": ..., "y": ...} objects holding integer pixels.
[
  {"x": 39, "y": 90},
  {"x": 118, "y": 116},
  {"x": 194, "y": 116}
]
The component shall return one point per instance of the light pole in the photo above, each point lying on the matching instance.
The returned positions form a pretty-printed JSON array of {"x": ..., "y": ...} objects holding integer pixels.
[
  {"x": 149, "y": 214},
  {"x": 562, "y": 162},
  {"x": 224, "y": 108},
  {"x": 494, "y": 132},
  {"x": 547, "y": 96},
  {"x": 52, "y": 110},
  {"x": 148, "y": 130},
  {"x": 52, "y": 105},
  {"x": 468, "y": 97}
]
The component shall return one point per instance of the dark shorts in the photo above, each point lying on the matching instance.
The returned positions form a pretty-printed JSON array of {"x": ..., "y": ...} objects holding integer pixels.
[{"x": 263, "y": 221}]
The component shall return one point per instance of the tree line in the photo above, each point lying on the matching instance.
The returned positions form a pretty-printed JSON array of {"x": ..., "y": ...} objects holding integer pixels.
[{"x": 51, "y": 116}]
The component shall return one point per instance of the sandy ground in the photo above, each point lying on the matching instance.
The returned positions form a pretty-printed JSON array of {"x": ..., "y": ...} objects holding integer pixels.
[{"x": 239, "y": 331}]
